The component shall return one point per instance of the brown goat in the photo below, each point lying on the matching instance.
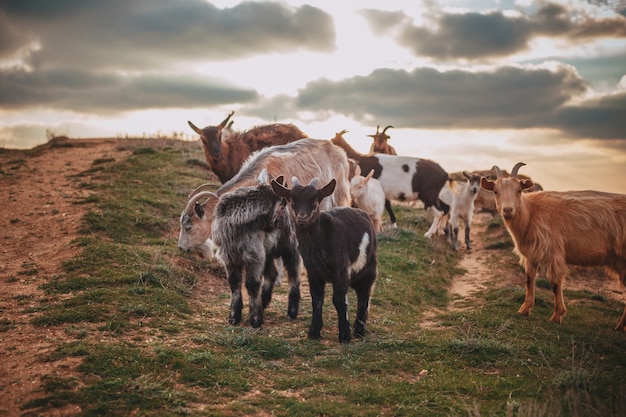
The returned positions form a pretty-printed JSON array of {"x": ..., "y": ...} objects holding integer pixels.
[
  {"x": 553, "y": 229},
  {"x": 381, "y": 144},
  {"x": 226, "y": 150}
]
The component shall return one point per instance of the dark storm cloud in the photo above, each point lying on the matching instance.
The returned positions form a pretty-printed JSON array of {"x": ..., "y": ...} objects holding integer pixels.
[
  {"x": 601, "y": 118},
  {"x": 479, "y": 36},
  {"x": 427, "y": 98},
  {"x": 509, "y": 97},
  {"x": 141, "y": 34},
  {"x": 84, "y": 91}
]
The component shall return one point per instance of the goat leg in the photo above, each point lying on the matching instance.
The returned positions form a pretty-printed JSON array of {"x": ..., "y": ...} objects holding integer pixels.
[
  {"x": 291, "y": 264},
  {"x": 236, "y": 303},
  {"x": 316, "y": 288},
  {"x": 529, "y": 299},
  {"x": 340, "y": 300},
  {"x": 253, "y": 286},
  {"x": 362, "y": 311}
]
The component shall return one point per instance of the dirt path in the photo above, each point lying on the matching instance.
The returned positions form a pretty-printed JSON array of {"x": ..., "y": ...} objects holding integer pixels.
[{"x": 38, "y": 219}]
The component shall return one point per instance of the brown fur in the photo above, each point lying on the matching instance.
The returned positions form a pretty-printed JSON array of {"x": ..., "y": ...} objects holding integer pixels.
[
  {"x": 381, "y": 144},
  {"x": 225, "y": 157},
  {"x": 552, "y": 230}
]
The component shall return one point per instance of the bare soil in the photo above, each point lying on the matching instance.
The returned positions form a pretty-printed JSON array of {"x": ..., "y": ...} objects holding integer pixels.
[{"x": 39, "y": 219}]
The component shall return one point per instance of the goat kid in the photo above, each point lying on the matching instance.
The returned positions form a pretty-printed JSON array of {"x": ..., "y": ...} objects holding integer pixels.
[
  {"x": 226, "y": 150},
  {"x": 553, "y": 229},
  {"x": 368, "y": 195},
  {"x": 337, "y": 246},
  {"x": 460, "y": 198},
  {"x": 252, "y": 229}
]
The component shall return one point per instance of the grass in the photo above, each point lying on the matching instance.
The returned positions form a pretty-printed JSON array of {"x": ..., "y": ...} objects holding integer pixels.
[{"x": 148, "y": 347}]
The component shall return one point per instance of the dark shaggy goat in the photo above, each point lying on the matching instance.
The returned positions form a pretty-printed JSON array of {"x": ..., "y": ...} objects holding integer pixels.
[
  {"x": 226, "y": 150},
  {"x": 252, "y": 228},
  {"x": 337, "y": 246},
  {"x": 553, "y": 229},
  {"x": 403, "y": 178}
]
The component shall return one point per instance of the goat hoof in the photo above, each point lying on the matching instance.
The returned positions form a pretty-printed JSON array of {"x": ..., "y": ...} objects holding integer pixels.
[
  {"x": 234, "y": 320},
  {"x": 314, "y": 335}
]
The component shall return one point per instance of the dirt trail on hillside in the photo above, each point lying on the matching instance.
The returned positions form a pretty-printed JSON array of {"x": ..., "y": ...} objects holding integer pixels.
[{"x": 39, "y": 219}]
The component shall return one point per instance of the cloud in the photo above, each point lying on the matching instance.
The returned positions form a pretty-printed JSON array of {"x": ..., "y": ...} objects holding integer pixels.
[
  {"x": 149, "y": 34},
  {"x": 477, "y": 36},
  {"x": 508, "y": 97},
  {"x": 601, "y": 118},
  {"x": 83, "y": 91}
]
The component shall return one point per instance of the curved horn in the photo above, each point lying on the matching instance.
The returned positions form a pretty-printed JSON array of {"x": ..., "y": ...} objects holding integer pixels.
[
  {"x": 223, "y": 124},
  {"x": 385, "y": 129},
  {"x": 497, "y": 171},
  {"x": 516, "y": 168},
  {"x": 199, "y": 188},
  {"x": 343, "y": 132},
  {"x": 193, "y": 200},
  {"x": 195, "y": 128}
]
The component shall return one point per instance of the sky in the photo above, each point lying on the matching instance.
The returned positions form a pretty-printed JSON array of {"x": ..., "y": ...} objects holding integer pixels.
[{"x": 468, "y": 84}]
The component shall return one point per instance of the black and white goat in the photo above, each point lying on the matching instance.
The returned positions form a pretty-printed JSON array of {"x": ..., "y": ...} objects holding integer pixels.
[
  {"x": 403, "y": 178},
  {"x": 337, "y": 246},
  {"x": 252, "y": 229}
]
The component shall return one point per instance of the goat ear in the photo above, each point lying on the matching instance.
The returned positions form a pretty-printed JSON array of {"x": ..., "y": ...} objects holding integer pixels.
[
  {"x": 357, "y": 170},
  {"x": 199, "y": 210},
  {"x": 526, "y": 184},
  {"x": 487, "y": 184},
  {"x": 279, "y": 190},
  {"x": 370, "y": 175},
  {"x": 467, "y": 175},
  {"x": 326, "y": 190},
  {"x": 281, "y": 180}
]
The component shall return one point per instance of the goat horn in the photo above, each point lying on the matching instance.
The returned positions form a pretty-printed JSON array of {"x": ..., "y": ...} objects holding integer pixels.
[
  {"x": 223, "y": 124},
  {"x": 295, "y": 181},
  {"x": 195, "y": 128},
  {"x": 516, "y": 168},
  {"x": 193, "y": 200},
  {"x": 385, "y": 129},
  {"x": 497, "y": 171},
  {"x": 199, "y": 188}
]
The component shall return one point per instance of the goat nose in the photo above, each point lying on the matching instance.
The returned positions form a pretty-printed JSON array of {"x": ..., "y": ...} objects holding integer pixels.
[{"x": 507, "y": 212}]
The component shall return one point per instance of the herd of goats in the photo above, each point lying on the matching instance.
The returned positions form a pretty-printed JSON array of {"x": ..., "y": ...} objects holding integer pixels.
[{"x": 328, "y": 219}]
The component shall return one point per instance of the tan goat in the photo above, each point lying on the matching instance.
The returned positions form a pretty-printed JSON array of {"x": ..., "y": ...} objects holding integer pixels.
[{"x": 553, "y": 229}]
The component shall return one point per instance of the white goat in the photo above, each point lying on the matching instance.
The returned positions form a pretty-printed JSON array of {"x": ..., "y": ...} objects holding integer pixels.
[
  {"x": 459, "y": 198},
  {"x": 368, "y": 195},
  {"x": 462, "y": 207}
]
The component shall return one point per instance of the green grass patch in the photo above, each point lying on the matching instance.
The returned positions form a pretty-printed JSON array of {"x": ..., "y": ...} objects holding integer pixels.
[{"x": 150, "y": 341}]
